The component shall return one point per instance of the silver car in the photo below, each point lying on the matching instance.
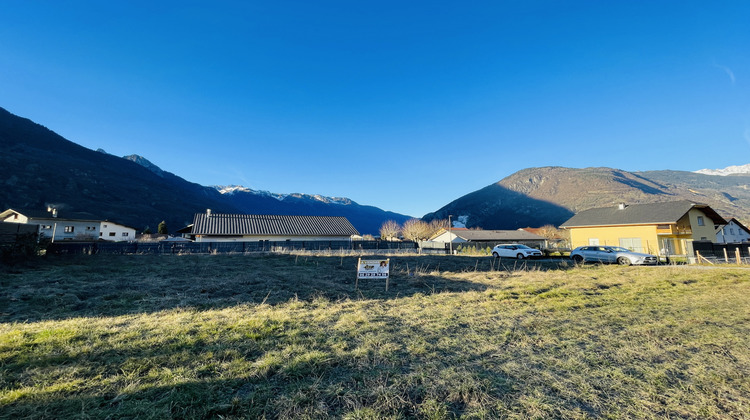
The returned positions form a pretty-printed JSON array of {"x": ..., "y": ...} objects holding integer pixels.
[
  {"x": 610, "y": 254},
  {"x": 515, "y": 251}
]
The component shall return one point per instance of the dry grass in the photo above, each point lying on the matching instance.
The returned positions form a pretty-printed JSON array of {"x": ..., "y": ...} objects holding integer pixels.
[{"x": 289, "y": 337}]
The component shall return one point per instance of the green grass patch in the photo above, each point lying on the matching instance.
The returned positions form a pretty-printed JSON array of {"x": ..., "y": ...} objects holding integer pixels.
[{"x": 288, "y": 336}]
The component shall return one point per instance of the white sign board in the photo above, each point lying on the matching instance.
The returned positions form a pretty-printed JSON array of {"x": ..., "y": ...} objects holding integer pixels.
[{"x": 373, "y": 269}]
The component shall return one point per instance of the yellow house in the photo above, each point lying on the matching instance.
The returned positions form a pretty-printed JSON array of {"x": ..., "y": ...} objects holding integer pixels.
[{"x": 663, "y": 229}]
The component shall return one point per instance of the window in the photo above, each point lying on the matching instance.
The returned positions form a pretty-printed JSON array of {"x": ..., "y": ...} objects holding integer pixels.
[
  {"x": 731, "y": 231},
  {"x": 89, "y": 228},
  {"x": 46, "y": 227},
  {"x": 700, "y": 221},
  {"x": 124, "y": 233},
  {"x": 104, "y": 226},
  {"x": 633, "y": 244},
  {"x": 111, "y": 234},
  {"x": 69, "y": 229}
]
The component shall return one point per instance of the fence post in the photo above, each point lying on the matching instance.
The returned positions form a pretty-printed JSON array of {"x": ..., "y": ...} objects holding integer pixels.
[
  {"x": 737, "y": 253},
  {"x": 726, "y": 257}
]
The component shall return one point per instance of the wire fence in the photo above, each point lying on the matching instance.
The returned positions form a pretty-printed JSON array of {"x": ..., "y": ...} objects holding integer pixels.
[{"x": 95, "y": 248}]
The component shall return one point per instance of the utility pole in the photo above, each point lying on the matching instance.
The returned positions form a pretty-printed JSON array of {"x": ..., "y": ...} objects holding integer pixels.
[{"x": 450, "y": 236}]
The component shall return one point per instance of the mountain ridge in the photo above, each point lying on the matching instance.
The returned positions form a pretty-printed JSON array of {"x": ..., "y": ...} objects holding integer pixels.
[
  {"x": 550, "y": 195},
  {"x": 39, "y": 168}
]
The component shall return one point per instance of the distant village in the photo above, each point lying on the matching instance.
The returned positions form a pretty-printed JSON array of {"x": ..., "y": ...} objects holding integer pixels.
[{"x": 666, "y": 229}]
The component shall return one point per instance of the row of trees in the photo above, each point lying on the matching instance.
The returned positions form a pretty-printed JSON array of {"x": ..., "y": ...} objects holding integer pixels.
[
  {"x": 419, "y": 230},
  {"x": 412, "y": 229}
]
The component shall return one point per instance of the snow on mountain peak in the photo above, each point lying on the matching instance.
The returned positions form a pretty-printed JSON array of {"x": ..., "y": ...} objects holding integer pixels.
[
  {"x": 729, "y": 170},
  {"x": 231, "y": 189}
]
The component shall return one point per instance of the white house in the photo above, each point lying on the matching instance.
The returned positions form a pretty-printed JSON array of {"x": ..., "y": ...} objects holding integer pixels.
[
  {"x": 488, "y": 237},
  {"x": 732, "y": 232},
  {"x": 81, "y": 228},
  {"x": 111, "y": 231}
]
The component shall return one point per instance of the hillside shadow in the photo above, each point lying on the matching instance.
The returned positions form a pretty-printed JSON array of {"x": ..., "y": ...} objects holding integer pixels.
[
  {"x": 641, "y": 186},
  {"x": 95, "y": 286},
  {"x": 496, "y": 207}
]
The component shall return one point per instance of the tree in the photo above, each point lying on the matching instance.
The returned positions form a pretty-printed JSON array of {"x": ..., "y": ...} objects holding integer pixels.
[
  {"x": 435, "y": 225},
  {"x": 389, "y": 230},
  {"x": 415, "y": 230},
  {"x": 555, "y": 237},
  {"x": 147, "y": 231},
  {"x": 162, "y": 229}
]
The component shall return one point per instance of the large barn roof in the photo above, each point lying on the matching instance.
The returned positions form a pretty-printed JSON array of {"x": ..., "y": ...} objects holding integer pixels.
[{"x": 264, "y": 224}]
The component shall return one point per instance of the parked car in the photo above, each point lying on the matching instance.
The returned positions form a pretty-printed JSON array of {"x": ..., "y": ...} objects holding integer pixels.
[
  {"x": 515, "y": 251},
  {"x": 611, "y": 254}
]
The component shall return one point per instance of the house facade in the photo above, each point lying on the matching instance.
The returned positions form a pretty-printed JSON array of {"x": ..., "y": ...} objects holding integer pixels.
[
  {"x": 111, "y": 231},
  {"x": 732, "y": 232},
  {"x": 489, "y": 237},
  {"x": 68, "y": 229},
  {"x": 663, "y": 229},
  {"x": 218, "y": 227}
]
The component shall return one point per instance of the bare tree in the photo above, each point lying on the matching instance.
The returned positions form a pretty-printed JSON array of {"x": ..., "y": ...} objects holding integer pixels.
[
  {"x": 548, "y": 232},
  {"x": 554, "y": 235},
  {"x": 435, "y": 225},
  {"x": 389, "y": 230},
  {"x": 415, "y": 230}
]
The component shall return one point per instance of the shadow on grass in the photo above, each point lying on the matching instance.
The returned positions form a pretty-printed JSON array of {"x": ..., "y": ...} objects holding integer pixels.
[
  {"x": 295, "y": 386},
  {"x": 103, "y": 285}
]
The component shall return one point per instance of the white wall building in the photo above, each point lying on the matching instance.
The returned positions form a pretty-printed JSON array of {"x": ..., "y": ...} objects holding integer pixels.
[
  {"x": 732, "y": 232},
  {"x": 111, "y": 231}
]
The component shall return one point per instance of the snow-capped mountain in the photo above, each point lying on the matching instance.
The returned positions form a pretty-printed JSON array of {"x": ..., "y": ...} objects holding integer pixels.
[
  {"x": 729, "y": 170},
  {"x": 236, "y": 189}
]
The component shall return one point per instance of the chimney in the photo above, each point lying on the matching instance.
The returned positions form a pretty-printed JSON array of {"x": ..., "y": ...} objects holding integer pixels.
[
  {"x": 622, "y": 206},
  {"x": 208, "y": 213}
]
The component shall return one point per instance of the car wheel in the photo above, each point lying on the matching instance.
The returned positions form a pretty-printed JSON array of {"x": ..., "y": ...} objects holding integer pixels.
[
  {"x": 520, "y": 256},
  {"x": 495, "y": 254},
  {"x": 623, "y": 261},
  {"x": 577, "y": 259}
]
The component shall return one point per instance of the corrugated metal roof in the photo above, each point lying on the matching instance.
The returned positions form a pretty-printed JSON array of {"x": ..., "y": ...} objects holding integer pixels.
[
  {"x": 636, "y": 214},
  {"x": 264, "y": 224}
]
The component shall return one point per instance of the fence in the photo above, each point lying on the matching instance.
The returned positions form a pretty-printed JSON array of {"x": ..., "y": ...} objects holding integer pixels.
[
  {"x": 10, "y": 232},
  {"x": 722, "y": 252},
  {"x": 221, "y": 247}
]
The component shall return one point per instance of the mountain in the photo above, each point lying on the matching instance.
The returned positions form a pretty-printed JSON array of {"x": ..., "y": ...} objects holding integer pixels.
[
  {"x": 550, "y": 195},
  {"x": 367, "y": 219},
  {"x": 729, "y": 170},
  {"x": 39, "y": 168}
]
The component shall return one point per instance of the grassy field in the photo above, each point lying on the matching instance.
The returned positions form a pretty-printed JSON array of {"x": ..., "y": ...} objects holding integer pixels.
[{"x": 288, "y": 336}]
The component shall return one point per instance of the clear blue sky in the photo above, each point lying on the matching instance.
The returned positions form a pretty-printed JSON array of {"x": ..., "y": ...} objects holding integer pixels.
[{"x": 402, "y": 105}]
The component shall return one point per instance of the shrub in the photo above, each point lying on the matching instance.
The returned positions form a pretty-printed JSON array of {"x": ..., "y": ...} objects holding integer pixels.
[{"x": 24, "y": 247}]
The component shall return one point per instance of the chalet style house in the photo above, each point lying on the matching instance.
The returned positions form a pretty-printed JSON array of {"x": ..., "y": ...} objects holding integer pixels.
[{"x": 663, "y": 229}]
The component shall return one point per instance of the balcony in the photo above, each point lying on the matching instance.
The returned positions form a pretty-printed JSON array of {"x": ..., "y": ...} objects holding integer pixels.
[{"x": 673, "y": 230}]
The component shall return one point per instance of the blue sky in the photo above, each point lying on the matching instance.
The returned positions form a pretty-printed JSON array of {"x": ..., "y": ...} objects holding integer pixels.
[{"x": 402, "y": 105}]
